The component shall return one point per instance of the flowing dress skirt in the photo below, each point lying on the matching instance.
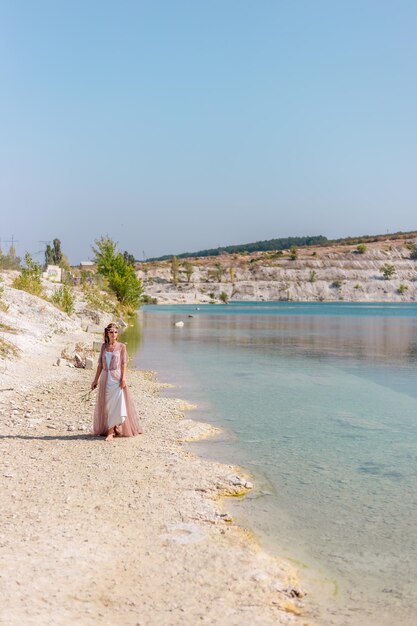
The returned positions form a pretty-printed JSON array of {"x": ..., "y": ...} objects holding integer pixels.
[
  {"x": 115, "y": 403},
  {"x": 114, "y": 406},
  {"x": 115, "y": 400}
]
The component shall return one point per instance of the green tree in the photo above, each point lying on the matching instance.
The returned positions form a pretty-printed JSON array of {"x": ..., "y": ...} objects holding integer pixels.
[
  {"x": 104, "y": 254},
  {"x": 189, "y": 269},
  {"x": 388, "y": 271},
  {"x": 224, "y": 297},
  {"x": 402, "y": 289},
  {"x": 293, "y": 253},
  {"x": 219, "y": 272},
  {"x": 232, "y": 274},
  {"x": 120, "y": 275},
  {"x": 175, "y": 266},
  {"x": 129, "y": 258},
  {"x": 313, "y": 276},
  {"x": 53, "y": 255}
]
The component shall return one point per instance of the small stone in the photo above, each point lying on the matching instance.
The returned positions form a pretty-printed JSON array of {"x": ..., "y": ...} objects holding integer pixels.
[
  {"x": 237, "y": 481},
  {"x": 294, "y": 592},
  {"x": 70, "y": 427},
  {"x": 259, "y": 576}
]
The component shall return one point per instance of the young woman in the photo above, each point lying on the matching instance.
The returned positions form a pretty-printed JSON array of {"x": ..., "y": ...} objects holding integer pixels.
[{"x": 114, "y": 413}]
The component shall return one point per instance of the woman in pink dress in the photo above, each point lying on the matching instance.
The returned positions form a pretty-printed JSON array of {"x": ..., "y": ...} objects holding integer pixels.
[{"x": 114, "y": 413}]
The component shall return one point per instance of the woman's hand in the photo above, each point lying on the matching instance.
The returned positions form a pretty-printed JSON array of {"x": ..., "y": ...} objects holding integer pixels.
[
  {"x": 123, "y": 382},
  {"x": 93, "y": 385}
]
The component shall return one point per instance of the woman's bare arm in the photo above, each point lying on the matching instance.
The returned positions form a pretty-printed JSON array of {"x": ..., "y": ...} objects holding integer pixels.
[{"x": 97, "y": 376}]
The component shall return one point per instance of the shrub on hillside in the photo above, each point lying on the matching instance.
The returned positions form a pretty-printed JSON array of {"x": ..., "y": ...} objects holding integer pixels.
[
  {"x": 30, "y": 277},
  {"x": 413, "y": 251},
  {"x": 293, "y": 253},
  {"x": 98, "y": 300},
  {"x": 64, "y": 299},
  {"x": 7, "y": 348},
  {"x": 387, "y": 270},
  {"x": 149, "y": 299}
]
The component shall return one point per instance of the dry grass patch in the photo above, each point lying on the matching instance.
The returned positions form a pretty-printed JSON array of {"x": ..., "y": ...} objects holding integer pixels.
[{"x": 7, "y": 348}]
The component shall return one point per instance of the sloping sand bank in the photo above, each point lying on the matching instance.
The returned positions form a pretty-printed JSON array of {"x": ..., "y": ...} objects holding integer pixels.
[{"x": 125, "y": 532}]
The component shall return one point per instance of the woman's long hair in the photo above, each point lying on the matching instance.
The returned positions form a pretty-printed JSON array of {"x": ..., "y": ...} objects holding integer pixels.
[{"x": 106, "y": 331}]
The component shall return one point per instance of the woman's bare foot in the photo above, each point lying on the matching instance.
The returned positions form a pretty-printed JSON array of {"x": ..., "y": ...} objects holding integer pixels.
[
  {"x": 110, "y": 434},
  {"x": 117, "y": 432}
]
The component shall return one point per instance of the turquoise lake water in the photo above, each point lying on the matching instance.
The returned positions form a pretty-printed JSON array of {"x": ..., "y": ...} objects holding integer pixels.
[{"x": 319, "y": 402}]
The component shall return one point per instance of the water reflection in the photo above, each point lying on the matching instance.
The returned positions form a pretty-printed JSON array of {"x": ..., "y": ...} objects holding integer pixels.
[
  {"x": 132, "y": 336},
  {"x": 367, "y": 338}
]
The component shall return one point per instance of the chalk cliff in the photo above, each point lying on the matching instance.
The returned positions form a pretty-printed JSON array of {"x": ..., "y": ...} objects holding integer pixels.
[{"x": 316, "y": 274}]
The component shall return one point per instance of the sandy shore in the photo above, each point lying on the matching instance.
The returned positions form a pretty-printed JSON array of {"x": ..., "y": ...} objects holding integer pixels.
[{"x": 134, "y": 531}]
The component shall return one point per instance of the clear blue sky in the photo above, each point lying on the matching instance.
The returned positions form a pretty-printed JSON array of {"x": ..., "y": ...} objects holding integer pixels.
[{"x": 176, "y": 125}]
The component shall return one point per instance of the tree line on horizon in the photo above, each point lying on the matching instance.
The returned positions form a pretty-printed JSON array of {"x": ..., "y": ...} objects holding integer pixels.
[
  {"x": 284, "y": 243},
  {"x": 258, "y": 246}
]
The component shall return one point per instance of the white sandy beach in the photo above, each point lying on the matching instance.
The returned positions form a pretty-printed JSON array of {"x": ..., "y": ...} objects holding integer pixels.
[{"x": 134, "y": 531}]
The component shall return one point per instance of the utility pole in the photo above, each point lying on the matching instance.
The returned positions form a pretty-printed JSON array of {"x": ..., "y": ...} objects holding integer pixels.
[{"x": 12, "y": 241}]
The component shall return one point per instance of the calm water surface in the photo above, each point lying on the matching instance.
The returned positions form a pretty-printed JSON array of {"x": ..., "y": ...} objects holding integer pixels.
[{"x": 319, "y": 401}]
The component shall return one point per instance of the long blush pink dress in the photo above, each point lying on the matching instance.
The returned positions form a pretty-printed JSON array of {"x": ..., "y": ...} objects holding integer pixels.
[{"x": 114, "y": 405}]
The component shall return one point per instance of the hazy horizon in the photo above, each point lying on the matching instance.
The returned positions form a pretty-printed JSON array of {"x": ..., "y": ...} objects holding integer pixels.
[{"x": 175, "y": 126}]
